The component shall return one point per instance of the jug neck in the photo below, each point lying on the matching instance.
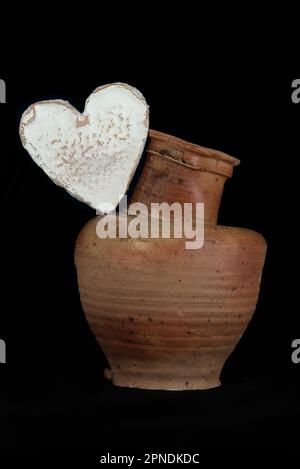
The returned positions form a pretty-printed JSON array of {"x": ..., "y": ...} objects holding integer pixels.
[{"x": 179, "y": 171}]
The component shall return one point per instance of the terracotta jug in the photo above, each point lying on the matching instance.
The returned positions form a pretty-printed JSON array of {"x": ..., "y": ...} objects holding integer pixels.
[{"x": 168, "y": 317}]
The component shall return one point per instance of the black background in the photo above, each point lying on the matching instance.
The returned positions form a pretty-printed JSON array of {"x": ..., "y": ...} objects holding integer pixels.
[{"x": 52, "y": 393}]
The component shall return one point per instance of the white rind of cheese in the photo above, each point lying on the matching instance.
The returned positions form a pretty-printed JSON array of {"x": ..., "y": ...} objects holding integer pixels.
[{"x": 92, "y": 155}]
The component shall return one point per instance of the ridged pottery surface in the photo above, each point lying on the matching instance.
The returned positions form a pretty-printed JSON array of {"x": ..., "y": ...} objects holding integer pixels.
[{"x": 167, "y": 317}]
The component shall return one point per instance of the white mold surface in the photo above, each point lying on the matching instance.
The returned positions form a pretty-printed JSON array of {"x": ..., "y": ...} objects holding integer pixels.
[{"x": 92, "y": 155}]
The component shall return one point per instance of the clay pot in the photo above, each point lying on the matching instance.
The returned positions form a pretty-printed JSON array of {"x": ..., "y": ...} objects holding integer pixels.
[{"x": 168, "y": 317}]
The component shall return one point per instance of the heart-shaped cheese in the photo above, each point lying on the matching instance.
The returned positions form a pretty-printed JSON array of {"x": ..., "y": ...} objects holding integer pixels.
[{"x": 92, "y": 155}]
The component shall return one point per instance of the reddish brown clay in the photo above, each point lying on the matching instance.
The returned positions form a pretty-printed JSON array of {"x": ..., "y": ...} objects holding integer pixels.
[{"x": 167, "y": 317}]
